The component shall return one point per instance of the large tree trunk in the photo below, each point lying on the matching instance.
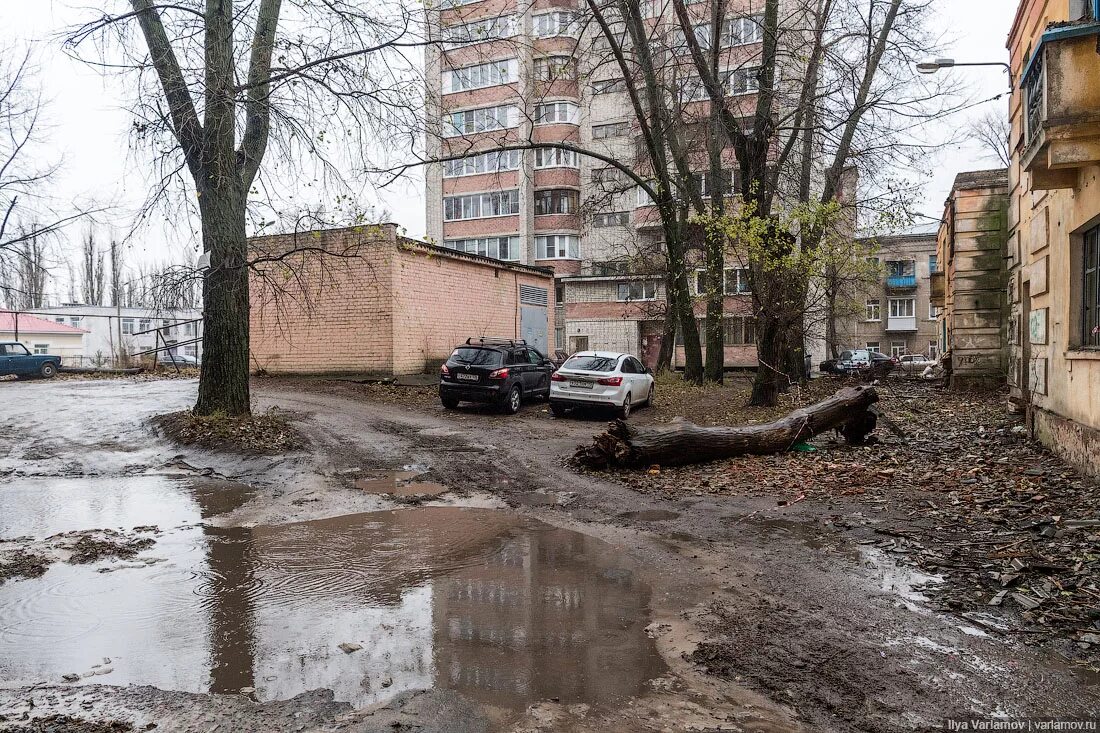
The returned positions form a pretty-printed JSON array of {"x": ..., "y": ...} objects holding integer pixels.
[
  {"x": 684, "y": 442},
  {"x": 679, "y": 299},
  {"x": 668, "y": 342},
  {"x": 223, "y": 380},
  {"x": 771, "y": 352},
  {"x": 715, "y": 281}
]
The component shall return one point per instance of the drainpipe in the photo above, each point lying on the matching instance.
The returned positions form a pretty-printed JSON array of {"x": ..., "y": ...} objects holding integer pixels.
[{"x": 16, "y": 314}]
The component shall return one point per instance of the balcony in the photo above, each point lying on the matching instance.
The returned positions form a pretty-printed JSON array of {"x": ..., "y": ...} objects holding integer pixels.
[
  {"x": 901, "y": 323},
  {"x": 901, "y": 282},
  {"x": 1061, "y": 106},
  {"x": 901, "y": 275},
  {"x": 938, "y": 294}
]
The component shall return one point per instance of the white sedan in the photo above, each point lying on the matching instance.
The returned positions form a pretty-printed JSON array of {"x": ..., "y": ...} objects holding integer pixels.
[{"x": 601, "y": 378}]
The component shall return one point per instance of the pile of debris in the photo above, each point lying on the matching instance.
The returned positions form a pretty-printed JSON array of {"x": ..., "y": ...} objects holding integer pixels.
[{"x": 957, "y": 490}]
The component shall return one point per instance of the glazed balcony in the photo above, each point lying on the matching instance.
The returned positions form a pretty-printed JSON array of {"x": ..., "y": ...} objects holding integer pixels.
[
  {"x": 901, "y": 275},
  {"x": 1061, "y": 106}
]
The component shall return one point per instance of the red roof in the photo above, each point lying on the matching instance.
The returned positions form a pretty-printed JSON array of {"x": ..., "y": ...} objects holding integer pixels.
[{"x": 34, "y": 324}]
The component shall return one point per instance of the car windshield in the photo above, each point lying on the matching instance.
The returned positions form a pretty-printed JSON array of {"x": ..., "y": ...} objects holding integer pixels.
[
  {"x": 476, "y": 356},
  {"x": 17, "y": 350},
  {"x": 592, "y": 363}
]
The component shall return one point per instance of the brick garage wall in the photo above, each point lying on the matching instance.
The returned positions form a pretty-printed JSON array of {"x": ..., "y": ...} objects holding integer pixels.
[
  {"x": 324, "y": 314},
  {"x": 442, "y": 299}
]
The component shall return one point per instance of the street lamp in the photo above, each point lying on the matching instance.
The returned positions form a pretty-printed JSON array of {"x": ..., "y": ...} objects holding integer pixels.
[{"x": 931, "y": 66}]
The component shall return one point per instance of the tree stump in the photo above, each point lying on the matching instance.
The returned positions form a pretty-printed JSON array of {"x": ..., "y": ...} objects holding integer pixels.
[{"x": 685, "y": 442}]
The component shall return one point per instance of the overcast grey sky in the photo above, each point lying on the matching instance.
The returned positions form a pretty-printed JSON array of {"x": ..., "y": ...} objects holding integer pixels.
[{"x": 89, "y": 128}]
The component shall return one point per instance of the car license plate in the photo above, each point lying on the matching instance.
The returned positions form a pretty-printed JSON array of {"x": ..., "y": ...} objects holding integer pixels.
[
  {"x": 467, "y": 377},
  {"x": 580, "y": 385}
]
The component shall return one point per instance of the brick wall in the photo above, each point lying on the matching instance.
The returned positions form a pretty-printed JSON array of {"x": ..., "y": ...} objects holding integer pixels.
[
  {"x": 440, "y": 301},
  {"x": 393, "y": 307},
  {"x": 316, "y": 312}
]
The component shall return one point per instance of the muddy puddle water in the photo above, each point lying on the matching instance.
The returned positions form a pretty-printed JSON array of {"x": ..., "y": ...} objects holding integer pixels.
[{"x": 504, "y": 610}]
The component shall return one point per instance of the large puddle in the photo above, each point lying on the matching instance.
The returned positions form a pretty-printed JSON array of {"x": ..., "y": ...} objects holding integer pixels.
[{"x": 502, "y": 609}]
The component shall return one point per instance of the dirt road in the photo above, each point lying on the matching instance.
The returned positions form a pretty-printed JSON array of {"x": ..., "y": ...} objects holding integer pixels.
[{"x": 711, "y": 612}]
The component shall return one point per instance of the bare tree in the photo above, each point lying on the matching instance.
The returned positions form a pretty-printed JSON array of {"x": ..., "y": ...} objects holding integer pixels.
[
  {"x": 222, "y": 82},
  {"x": 92, "y": 277},
  {"x": 991, "y": 131}
]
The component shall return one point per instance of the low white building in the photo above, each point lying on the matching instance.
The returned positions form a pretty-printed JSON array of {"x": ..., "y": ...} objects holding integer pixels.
[
  {"x": 42, "y": 336},
  {"x": 135, "y": 330}
]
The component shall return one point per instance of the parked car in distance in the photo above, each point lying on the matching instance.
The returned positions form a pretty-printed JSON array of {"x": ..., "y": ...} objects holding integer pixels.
[
  {"x": 601, "y": 379},
  {"x": 865, "y": 363},
  {"x": 180, "y": 360},
  {"x": 504, "y": 372},
  {"x": 915, "y": 363},
  {"x": 15, "y": 358}
]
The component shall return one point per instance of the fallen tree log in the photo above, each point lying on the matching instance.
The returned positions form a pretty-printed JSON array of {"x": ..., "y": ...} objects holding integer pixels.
[{"x": 684, "y": 442}]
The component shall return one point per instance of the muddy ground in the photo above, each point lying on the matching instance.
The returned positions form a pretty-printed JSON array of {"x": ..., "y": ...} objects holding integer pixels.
[{"x": 773, "y": 597}]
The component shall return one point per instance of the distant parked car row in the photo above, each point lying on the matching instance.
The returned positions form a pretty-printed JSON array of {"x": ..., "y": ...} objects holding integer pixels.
[
  {"x": 508, "y": 372},
  {"x": 864, "y": 362}
]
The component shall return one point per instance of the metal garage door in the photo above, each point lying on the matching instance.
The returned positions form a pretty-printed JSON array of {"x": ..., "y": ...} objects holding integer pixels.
[{"x": 533, "y": 317}]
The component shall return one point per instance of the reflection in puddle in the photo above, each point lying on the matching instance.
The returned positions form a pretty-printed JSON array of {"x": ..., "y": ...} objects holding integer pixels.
[
  {"x": 502, "y": 609},
  {"x": 399, "y": 483}
]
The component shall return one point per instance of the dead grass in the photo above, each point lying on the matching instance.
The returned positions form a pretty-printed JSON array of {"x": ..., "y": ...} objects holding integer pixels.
[
  {"x": 727, "y": 404},
  {"x": 267, "y": 433}
]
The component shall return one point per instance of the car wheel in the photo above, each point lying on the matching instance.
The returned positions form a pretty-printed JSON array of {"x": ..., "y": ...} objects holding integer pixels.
[
  {"x": 624, "y": 411},
  {"x": 48, "y": 370},
  {"x": 513, "y": 401},
  {"x": 558, "y": 409},
  {"x": 649, "y": 399},
  {"x": 449, "y": 403}
]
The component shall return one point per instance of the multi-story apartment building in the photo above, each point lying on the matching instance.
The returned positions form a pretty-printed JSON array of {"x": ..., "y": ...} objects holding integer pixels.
[
  {"x": 1054, "y": 224},
  {"x": 895, "y": 316},
  {"x": 524, "y": 72}
]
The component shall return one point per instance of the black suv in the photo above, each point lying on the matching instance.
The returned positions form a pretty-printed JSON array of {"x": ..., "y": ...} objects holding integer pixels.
[{"x": 504, "y": 372}]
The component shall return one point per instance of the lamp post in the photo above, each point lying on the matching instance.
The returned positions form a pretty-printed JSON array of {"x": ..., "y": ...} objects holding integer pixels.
[{"x": 931, "y": 66}]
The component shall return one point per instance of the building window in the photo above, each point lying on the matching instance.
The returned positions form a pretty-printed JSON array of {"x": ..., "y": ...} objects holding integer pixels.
[
  {"x": 933, "y": 349},
  {"x": 1090, "y": 289},
  {"x": 481, "y": 205},
  {"x": 500, "y": 248},
  {"x": 556, "y": 112},
  {"x": 736, "y": 331},
  {"x": 735, "y": 281},
  {"x": 60, "y": 319},
  {"x": 612, "y": 129},
  {"x": 479, "y": 31},
  {"x": 705, "y": 182},
  {"x": 556, "y": 201},
  {"x": 933, "y": 264},
  {"x": 189, "y": 329},
  {"x": 559, "y": 338},
  {"x": 874, "y": 310},
  {"x": 555, "y": 158},
  {"x": 74, "y": 321},
  {"x": 744, "y": 81},
  {"x": 556, "y": 23},
  {"x": 611, "y": 219},
  {"x": 902, "y": 307},
  {"x": 480, "y": 76},
  {"x": 128, "y": 326},
  {"x": 933, "y": 312},
  {"x": 609, "y": 86},
  {"x": 486, "y": 119},
  {"x": 611, "y": 267},
  {"x": 496, "y": 161},
  {"x": 636, "y": 290},
  {"x": 897, "y": 348},
  {"x": 873, "y": 346},
  {"x": 41, "y": 348},
  {"x": 744, "y": 30},
  {"x": 145, "y": 324},
  {"x": 553, "y": 68},
  {"x": 557, "y": 247}
]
